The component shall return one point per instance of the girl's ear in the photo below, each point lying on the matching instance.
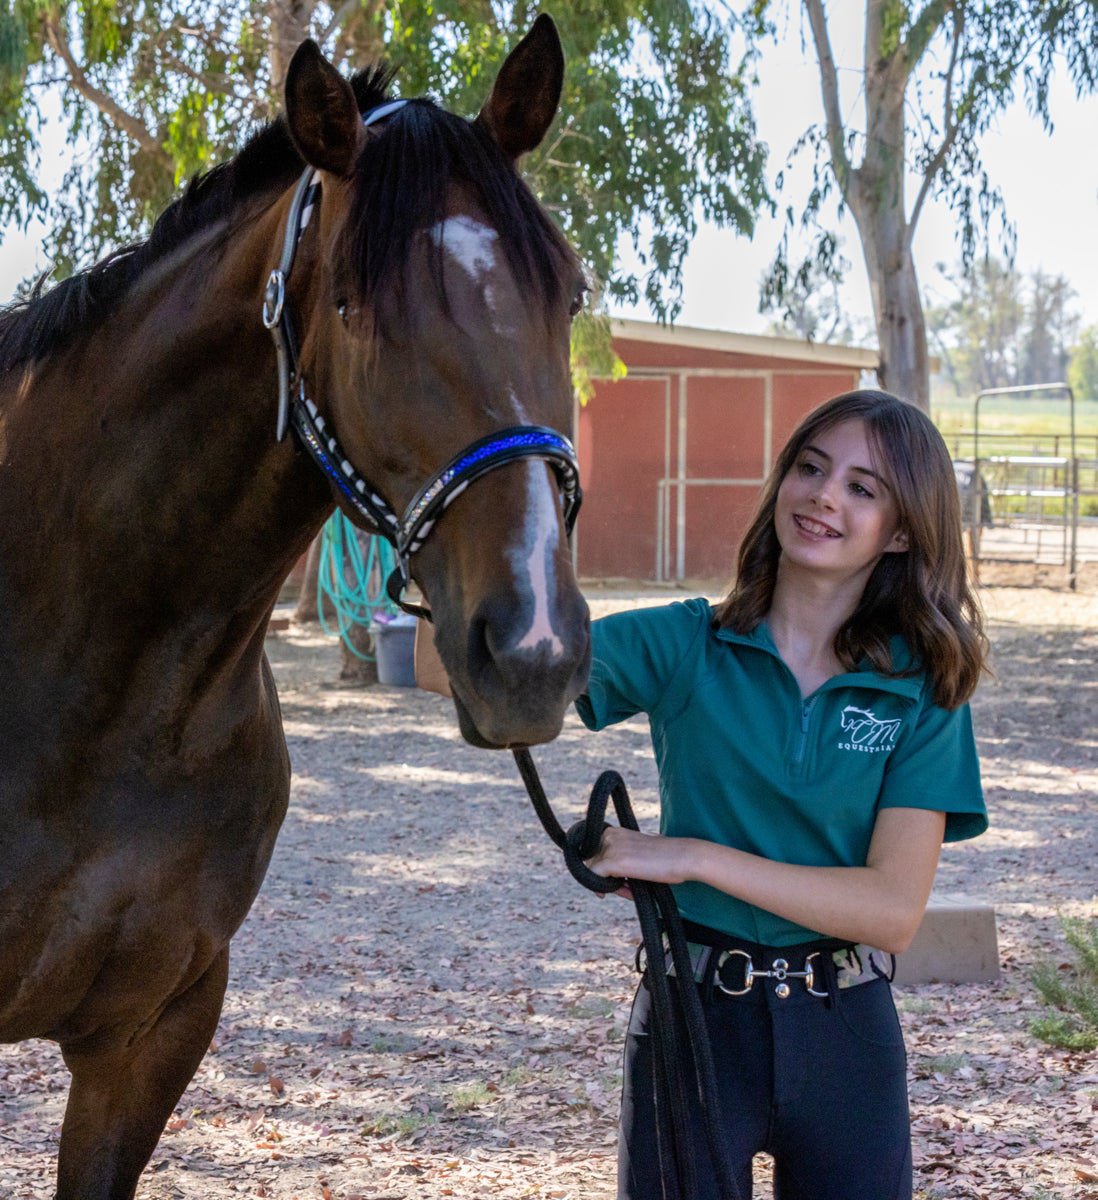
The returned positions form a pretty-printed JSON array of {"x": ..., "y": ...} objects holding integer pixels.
[{"x": 898, "y": 544}]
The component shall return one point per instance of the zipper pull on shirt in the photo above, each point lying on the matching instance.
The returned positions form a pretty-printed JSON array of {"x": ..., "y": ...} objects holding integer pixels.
[{"x": 802, "y": 742}]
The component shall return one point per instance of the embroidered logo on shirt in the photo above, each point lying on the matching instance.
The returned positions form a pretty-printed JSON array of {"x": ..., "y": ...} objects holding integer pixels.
[{"x": 867, "y": 732}]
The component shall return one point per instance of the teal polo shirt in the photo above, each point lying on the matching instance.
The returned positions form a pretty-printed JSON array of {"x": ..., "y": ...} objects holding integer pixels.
[{"x": 745, "y": 761}]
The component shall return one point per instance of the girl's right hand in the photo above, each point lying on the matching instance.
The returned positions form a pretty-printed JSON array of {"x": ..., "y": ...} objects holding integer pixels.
[{"x": 634, "y": 855}]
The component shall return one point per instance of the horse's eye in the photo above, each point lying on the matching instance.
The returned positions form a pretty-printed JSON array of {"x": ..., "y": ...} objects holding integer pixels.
[
  {"x": 577, "y": 301},
  {"x": 341, "y": 308}
]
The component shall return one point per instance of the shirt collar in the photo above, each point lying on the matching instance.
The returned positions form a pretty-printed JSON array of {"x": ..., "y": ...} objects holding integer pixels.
[{"x": 910, "y": 686}]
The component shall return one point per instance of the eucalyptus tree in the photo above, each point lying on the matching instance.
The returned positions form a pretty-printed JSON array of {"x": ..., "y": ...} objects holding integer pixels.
[
  {"x": 1083, "y": 368},
  {"x": 995, "y": 327},
  {"x": 935, "y": 75},
  {"x": 654, "y": 134},
  {"x": 982, "y": 326}
]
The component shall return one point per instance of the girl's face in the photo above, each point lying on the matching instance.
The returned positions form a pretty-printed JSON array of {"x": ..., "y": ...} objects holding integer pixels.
[{"x": 834, "y": 512}]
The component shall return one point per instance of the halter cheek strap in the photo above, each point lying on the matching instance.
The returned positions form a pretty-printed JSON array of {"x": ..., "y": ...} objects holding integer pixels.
[
  {"x": 408, "y": 532},
  {"x": 276, "y": 316}
]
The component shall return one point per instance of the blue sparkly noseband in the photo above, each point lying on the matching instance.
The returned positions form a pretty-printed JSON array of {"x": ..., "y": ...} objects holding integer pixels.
[{"x": 408, "y": 532}]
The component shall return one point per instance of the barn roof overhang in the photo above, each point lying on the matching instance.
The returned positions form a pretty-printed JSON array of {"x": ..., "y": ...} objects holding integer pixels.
[{"x": 753, "y": 344}]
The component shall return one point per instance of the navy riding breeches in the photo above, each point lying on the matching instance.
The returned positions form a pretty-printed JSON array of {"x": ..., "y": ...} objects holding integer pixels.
[{"x": 819, "y": 1083}]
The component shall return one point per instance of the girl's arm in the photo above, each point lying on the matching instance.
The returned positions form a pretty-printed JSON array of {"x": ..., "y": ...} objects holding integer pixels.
[
  {"x": 881, "y": 904},
  {"x": 430, "y": 673}
]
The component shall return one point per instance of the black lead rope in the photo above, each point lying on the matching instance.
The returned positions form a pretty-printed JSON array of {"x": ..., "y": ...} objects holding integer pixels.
[{"x": 658, "y": 914}]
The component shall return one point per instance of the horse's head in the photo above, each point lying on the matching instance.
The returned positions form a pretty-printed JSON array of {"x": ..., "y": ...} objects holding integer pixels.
[{"x": 435, "y": 315}]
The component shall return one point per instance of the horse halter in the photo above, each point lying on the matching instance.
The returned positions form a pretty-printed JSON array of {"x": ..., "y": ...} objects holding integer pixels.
[{"x": 409, "y": 531}]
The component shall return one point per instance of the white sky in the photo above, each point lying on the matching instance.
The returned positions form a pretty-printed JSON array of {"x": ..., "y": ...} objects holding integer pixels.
[{"x": 1050, "y": 184}]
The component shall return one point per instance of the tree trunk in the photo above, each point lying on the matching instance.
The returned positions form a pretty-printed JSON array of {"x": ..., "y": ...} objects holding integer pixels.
[
  {"x": 875, "y": 193},
  {"x": 351, "y": 666},
  {"x": 307, "y": 608},
  {"x": 289, "y": 28},
  {"x": 897, "y": 309}
]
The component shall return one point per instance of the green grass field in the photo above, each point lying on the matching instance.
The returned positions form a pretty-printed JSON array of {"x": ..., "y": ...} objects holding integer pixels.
[
  {"x": 1017, "y": 425},
  {"x": 1020, "y": 426}
]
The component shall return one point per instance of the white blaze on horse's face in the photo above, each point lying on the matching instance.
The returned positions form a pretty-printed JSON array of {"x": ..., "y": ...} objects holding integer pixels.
[
  {"x": 531, "y": 561},
  {"x": 473, "y": 247}
]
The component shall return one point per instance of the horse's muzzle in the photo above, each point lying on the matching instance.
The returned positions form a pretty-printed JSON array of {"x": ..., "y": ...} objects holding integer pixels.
[{"x": 507, "y": 696}]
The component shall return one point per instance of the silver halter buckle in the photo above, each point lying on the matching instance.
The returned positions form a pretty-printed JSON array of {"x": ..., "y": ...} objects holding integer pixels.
[
  {"x": 274, "y": 297},
  {"x": 779, "y": 971}
]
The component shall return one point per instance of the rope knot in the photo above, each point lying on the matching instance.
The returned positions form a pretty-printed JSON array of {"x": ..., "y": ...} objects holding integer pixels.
[{"x": 578, "y": 848}]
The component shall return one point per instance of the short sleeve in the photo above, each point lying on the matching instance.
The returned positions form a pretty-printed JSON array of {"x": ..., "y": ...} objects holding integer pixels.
[
  {"x": 935, "y": 766},
  {"x": 634, "y": 655}
]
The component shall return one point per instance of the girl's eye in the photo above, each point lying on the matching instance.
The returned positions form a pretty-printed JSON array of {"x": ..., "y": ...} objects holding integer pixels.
[
  {"x": 859, "y": 490},
  {"x": 809, "y": 468}
]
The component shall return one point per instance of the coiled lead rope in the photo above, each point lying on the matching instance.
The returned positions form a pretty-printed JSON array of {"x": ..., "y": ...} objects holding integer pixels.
[{"x": 659, "y": 915}]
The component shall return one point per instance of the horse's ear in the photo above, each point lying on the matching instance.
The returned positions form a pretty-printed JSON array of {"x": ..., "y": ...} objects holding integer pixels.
[
  {"x": 321, "y": 111},
  {"x": 527, "y": 90}
]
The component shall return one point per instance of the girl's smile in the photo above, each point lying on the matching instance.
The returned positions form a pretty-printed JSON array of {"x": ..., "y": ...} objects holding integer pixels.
[{"x": 814, "y": 528}]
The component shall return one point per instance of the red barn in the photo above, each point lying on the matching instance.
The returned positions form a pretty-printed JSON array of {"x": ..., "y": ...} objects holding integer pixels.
[{"x": 672, "y": 457}]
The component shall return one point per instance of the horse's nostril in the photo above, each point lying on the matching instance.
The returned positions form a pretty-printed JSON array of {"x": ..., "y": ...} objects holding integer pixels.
[
  {"x": 479, "y": 653},
  {"x": 496, "y": 641},
  {"x": 500, "y": 644}
]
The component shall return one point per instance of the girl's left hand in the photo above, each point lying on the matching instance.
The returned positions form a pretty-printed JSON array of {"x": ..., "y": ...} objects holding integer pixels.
[{"x": 636, "y": 855}]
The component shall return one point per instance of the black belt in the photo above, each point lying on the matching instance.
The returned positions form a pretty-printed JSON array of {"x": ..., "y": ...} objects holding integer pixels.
[{"x": 733, "y": 965}]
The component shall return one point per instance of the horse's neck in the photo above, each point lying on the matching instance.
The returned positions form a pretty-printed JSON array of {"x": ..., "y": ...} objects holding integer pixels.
[{"x": 147, "y": 452}]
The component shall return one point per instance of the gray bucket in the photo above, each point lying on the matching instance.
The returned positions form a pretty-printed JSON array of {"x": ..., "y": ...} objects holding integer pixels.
[{"x": 394, "y": 643}]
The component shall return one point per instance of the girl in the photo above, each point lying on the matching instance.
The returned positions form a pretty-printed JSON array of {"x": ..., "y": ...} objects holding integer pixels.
[{"x": 814, "y": 749}]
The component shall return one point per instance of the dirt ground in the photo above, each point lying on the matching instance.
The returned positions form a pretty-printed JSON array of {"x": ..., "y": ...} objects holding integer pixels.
[{"x": 423, "y": 1004}]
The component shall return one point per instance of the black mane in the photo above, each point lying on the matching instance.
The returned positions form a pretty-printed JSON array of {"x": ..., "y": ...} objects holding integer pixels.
[{"x": 400, "y": 182}]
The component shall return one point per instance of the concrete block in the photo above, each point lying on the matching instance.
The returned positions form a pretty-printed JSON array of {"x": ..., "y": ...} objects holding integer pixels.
[{"x": 956, "y": 943}]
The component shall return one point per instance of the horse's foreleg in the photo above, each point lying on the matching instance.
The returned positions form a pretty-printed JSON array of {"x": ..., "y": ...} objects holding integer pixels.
[{"x": 121, "y": 1098}]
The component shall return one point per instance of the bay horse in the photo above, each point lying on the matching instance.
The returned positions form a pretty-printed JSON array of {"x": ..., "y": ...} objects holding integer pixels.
[{"x": 420, "y": 301}]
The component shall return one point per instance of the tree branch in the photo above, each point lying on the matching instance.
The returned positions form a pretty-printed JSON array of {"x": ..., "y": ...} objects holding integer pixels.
[
  {"x": 829, "y": 85},
  {"x": 225, "y": 84},
  {"x": 563, "y": 134},
  {"x": 339, "y": 15},
  {"x": 127, "y": 122},
  {"x": 949, "y": 134},
  {"x": 924, "y": 27}
]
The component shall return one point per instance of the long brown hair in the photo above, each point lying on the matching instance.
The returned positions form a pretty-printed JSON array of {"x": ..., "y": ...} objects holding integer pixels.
[{"x": 923, "y": 594}]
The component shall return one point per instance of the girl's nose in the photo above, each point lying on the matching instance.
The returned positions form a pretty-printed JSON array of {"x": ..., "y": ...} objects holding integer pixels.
[{"x": 824, "y": 492}]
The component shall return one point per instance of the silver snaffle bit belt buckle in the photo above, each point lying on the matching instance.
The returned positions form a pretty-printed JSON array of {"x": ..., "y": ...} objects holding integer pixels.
[{"x": 779, "y": 970}]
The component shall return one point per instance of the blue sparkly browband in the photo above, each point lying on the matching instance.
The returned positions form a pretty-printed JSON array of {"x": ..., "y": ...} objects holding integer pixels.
[{"x": 520, "y": 441}]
